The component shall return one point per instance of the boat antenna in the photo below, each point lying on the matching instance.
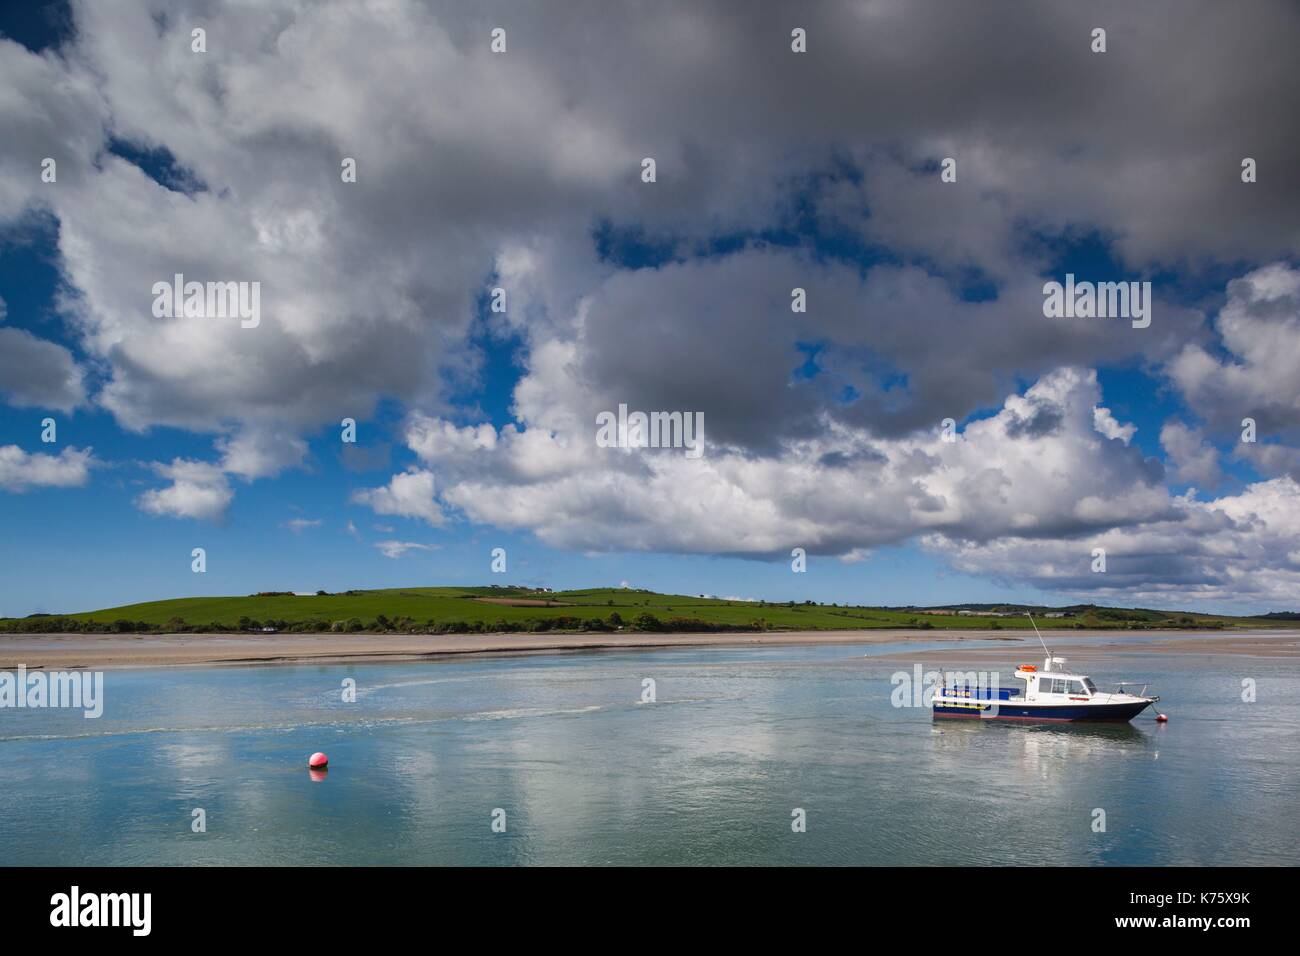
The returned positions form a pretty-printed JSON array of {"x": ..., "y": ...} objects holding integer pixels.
[{"x": 1039, "y": 633}]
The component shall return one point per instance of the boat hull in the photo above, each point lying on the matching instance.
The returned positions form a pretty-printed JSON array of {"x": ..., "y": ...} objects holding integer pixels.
[{"x": 1072, "y": 713}]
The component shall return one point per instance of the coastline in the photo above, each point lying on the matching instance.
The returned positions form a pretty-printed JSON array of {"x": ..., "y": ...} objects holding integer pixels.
[
  {"x": 73, "y": 651},
  {"x": 164, "y": 650}
]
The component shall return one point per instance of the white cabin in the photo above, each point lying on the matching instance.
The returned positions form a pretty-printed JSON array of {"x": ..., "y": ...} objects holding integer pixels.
[{"x": 1053, "y": 685}]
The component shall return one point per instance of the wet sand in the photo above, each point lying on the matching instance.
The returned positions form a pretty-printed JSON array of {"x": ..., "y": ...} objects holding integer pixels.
[
  {"x": 160, "y": 650},
  {"x": 67, "y": 651}
]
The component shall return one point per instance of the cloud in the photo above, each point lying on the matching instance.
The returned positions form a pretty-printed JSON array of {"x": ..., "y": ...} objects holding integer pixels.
[
  {"x": 408, "y": 495},
  {"x": 299, "y": 525},
  {"x": 1038, "y": 466},
  {"x": 363, "y": 302},
  {"x": 34, "y": 372},
  {"x": 20, "y": 471},
  {"x": 260, "y": 453},
  {"x": 1253, "y": 374},
  {"x": 396, "y": 549},
  {"x": 892, "y": 349},
  {"x": 197, "y": 490},
  {"x": 202, "y": 489},
  {"x": 1104, "y": 421},
  {"x": 435, "y": 440},
  {"x": 1272, "y": 459},
  {"x": 1024, "y": 494},
  {"x": 54, "y": 111},
  {"x": 1195, "y": 460},
  {"x": 1236, "y": 551}
]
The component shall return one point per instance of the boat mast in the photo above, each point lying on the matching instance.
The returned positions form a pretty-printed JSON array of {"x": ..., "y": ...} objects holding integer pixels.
[{"x": 1040, "y": 637}]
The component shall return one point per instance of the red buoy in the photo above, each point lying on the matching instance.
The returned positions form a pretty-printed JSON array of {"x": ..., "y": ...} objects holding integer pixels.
[
  {"x": 318, "y": 761},
  {"x": 1161, "y": 719}
]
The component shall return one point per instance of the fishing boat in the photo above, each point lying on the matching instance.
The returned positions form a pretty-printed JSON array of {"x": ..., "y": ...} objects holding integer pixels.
[{"x": 1050, "y": 694}]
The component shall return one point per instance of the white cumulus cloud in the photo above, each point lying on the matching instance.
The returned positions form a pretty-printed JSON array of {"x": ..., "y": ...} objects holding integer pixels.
[
  {"x": 20, "y": 471},
  {"x": 408, "y": 495},
  {"x": 197, "y": 490}
]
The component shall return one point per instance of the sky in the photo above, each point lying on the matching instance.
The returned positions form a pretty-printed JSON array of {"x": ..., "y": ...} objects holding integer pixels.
[{"x": 794, "y": 147}]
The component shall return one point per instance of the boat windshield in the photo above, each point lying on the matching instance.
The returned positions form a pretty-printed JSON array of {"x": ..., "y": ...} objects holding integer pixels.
[{"x": 1092, "y": 688}]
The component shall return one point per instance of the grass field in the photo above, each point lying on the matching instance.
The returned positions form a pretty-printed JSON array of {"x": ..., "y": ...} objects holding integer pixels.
[{"x": 447, "y": 608}]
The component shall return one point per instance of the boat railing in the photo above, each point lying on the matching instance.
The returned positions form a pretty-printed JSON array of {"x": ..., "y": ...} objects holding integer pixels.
[{"x": 1141, "y": 693}]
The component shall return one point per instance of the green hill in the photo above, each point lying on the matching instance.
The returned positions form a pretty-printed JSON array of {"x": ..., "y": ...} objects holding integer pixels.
[{"x": 477, "y": 609}]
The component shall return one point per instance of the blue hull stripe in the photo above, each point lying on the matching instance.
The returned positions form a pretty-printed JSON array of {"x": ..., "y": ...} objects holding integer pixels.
[{"x": 1007, "y": 711}]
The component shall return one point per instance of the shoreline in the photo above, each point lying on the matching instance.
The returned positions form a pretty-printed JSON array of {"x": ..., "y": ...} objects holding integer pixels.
[
  {"x": 73, "y": 651},
  {"x": 79, "y": 651}
]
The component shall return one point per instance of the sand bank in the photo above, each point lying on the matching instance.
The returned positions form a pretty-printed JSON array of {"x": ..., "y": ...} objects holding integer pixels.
[
  {"x": 160, "y": 650},
  {"x": 66, "y": 651}
]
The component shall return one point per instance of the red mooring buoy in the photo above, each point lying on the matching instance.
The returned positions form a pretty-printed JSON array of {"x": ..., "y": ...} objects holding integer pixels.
[
  {"x": 1161, "y": 719},
  {"x": 318, "y": 761}
]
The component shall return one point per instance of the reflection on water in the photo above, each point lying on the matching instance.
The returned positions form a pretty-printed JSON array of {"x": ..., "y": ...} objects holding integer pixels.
[
  {"x": 588, "y": 774},
  {"x": 1079, "y": 734}
]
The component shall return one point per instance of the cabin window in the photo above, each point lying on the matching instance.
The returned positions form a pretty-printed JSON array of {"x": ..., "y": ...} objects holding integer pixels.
[
  {"x": 1092, "y": 688},
  {"x": 1047, "y": 685},
  {"x": 1076, "y": 688}
]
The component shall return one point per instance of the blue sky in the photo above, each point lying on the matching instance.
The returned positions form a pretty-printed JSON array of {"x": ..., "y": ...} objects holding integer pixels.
[{"x": 822, "y": 428}]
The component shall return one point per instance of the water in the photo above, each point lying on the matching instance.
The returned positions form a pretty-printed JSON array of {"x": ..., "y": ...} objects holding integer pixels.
[{"x": 586, "y": 774}]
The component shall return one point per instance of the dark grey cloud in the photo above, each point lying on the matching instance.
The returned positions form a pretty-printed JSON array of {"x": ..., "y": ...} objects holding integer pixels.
[
  {"x": 34, "y": 372},
  {"x": 1044, "y": 420},
  {"x": 463, "y": 154}
]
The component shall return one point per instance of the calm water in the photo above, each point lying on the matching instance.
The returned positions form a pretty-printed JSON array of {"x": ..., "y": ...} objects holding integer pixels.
[{"x": 586, "y": 774}]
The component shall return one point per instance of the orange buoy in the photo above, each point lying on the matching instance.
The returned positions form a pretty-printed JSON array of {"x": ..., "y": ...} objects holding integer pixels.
[
  {"x": 1161, "y": 719},
  {"x": 318, "y": 761}
]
